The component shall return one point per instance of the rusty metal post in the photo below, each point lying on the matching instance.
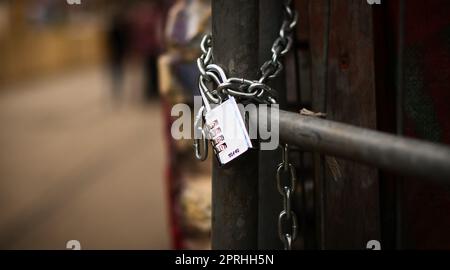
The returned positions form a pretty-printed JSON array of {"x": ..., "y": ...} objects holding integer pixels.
[{"x": 235, "y": 186}]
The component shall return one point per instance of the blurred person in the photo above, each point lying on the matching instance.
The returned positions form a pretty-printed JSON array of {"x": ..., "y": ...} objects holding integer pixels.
[
  {"x": 146, "y": 24},
  {"x": 118, "y": 42}
]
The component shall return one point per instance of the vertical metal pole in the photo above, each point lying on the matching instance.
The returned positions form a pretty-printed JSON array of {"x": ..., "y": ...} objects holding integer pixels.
[
  {"x": 235, "y": 186},
  {"x": 270, "y": 201}
]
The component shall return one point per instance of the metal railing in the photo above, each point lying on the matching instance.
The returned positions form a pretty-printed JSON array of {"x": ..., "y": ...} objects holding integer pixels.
[{"x": 398, "y": 154}]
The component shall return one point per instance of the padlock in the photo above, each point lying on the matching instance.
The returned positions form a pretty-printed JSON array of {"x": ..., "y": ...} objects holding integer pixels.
[{"x": 226, "y": 129}]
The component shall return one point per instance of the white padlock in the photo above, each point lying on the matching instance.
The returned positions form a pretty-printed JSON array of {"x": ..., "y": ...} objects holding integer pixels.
[{"x": 227, "y": 131}]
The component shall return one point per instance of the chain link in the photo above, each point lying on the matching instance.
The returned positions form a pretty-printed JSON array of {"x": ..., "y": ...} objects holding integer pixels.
[
  {"x": 257, "y": 91},
  {"x": 287, "y": 220}
]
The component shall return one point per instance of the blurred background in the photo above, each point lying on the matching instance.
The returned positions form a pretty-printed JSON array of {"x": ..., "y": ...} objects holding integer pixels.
[
  {"x": 86, "y": 153},
  {"x": 86, "y": 92}
]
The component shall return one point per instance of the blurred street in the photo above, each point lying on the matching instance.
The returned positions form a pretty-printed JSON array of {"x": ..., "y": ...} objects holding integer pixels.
[{"x": 75, "y": 165}]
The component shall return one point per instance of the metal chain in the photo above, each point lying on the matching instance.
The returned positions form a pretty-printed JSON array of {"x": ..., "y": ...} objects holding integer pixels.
[
  {"x": 281, "y": 46},
  {"x": 216, "y": 86},
  {"x": 287, "y": 220}
]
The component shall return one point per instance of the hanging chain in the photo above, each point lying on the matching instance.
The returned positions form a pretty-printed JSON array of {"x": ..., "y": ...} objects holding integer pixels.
[
  {"x": 287, "y": 220},
  {"x": 216, "y": 86}
]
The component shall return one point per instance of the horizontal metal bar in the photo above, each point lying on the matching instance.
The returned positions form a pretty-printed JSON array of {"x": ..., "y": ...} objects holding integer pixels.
[{"x": 398, "y": 154}]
